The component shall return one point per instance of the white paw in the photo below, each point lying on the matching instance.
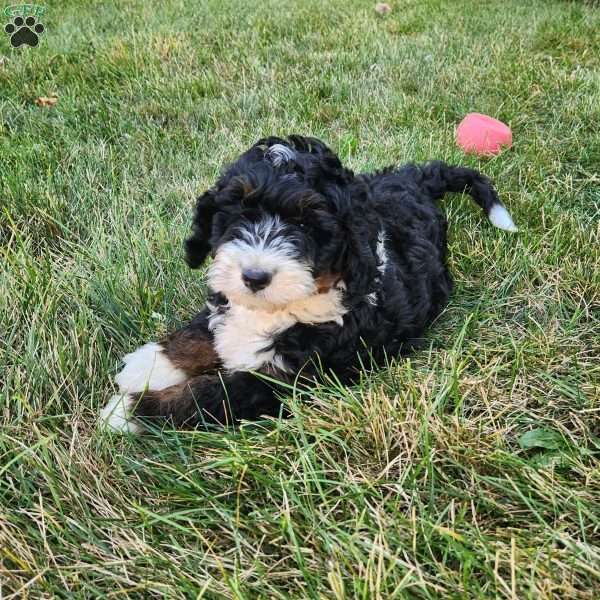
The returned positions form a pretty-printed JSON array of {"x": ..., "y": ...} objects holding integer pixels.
[
  {"x": 148, "y": 368},
  {"x": 116, "y": 415}
]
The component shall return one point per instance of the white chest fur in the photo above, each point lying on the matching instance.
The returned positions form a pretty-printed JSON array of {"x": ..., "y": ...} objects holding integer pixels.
[{"x": 244, "y": 336}]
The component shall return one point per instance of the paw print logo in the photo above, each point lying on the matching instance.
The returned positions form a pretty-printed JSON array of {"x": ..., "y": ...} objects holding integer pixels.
[{"x": 24, "y": 31}]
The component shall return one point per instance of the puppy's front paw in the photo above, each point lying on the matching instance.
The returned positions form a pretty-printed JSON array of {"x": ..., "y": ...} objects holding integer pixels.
[
  {"x": 148, "y": 368},
  {"x": 117, "y": 415}
]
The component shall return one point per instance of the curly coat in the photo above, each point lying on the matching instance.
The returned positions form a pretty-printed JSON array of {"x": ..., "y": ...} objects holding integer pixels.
[{"x": 315, "y": 269}]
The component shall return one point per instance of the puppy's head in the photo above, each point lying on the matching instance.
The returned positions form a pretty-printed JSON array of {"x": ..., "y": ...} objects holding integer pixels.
[{"x": 280, "y": 230}]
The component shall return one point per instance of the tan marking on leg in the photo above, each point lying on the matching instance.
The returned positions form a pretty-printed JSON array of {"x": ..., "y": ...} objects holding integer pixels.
[{"x": 191, "y": 351}]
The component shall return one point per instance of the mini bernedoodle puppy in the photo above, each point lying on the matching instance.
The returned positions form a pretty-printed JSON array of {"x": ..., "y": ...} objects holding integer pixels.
[{"x": 314, "y": 269}]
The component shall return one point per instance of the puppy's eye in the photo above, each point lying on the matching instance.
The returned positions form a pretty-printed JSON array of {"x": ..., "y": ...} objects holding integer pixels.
[{"x": 301, "y": 225}]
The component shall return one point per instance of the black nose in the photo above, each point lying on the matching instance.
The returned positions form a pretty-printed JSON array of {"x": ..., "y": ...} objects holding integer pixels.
[{"x": 256, "y": 279}]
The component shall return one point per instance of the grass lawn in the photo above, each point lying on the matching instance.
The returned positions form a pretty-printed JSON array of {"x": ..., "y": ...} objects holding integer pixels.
[{"x": 470, "y": 470}]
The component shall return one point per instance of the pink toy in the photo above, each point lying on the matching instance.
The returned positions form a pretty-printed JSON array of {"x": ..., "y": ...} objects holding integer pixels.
[{"x": 483, "y": 135}]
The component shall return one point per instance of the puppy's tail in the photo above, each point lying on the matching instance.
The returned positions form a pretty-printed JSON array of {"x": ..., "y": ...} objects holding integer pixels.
[{"x": 439, "y": 178}]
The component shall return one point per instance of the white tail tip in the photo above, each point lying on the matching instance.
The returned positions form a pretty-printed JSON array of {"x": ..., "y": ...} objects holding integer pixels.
[{"x": 500, "y": 218}]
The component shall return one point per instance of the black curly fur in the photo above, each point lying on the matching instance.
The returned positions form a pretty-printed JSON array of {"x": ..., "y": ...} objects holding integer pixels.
[{"x": 342, "y": 215}]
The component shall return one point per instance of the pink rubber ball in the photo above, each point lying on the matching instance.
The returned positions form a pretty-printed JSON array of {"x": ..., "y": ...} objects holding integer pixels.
[{"x": 483, "y": 135}]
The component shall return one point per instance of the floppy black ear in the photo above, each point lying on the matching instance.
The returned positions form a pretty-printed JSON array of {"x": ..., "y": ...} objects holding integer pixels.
[
  {"x": 359, "y": 257},
  {"x": 198, "y": 245}
]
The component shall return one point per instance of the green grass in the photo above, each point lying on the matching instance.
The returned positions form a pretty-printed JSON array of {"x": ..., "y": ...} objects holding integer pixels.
[{"x": 470, "y": 470}]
